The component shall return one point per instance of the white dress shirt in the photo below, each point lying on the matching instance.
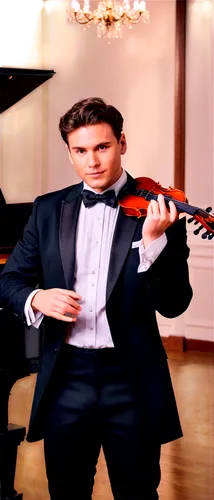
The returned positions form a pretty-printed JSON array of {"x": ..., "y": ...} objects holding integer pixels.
[{"x": 95, "y": 230}]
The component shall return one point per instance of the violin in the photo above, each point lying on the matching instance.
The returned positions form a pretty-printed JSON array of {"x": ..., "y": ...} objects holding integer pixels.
[{"x": 136, "y": 204}]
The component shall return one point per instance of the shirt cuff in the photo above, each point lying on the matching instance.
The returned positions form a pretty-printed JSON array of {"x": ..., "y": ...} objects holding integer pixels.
[
  {"x": 33, "y": 318},
  {"x": 151, "y": 253}
]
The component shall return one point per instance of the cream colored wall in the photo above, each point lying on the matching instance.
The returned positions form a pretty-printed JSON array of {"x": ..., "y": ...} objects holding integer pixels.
[
  {"x": 136, "y": 74},
  {"x": 200, "y": 162},
  {"x": 198, "y": 321},
  {"x": 22, "y": 127}
]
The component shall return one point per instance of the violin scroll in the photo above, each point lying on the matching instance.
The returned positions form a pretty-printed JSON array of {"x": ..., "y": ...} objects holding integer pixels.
[{"x": 208, "y": 223}]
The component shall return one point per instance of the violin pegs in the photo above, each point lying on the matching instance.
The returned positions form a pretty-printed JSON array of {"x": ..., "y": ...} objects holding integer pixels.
[
  {"x": 204, "y": 235},
  {"x": 197, "y": 231},
  {"x": 208, "y": 235},
  {"x": 190, "y": 220},
  {"x": 196, "y": 222},
  {"x": 209, "y": 209}
]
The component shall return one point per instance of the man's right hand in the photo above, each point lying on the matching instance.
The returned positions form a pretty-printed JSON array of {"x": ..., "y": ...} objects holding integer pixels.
[{"x": 58, "y": 303}]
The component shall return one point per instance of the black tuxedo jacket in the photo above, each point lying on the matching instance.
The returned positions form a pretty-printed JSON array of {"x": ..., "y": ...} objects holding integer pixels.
[{"x": 45, "y": 256}]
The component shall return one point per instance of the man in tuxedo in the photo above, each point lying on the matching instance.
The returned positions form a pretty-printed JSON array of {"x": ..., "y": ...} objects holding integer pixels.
[{"x": 96, "y": 278}]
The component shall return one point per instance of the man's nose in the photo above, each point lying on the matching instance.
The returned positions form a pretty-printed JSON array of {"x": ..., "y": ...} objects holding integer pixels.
[{"x": 93, "y": 160}]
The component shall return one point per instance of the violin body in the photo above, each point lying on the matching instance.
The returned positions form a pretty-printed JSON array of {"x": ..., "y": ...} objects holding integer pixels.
[{"x": 136, "y": 204}]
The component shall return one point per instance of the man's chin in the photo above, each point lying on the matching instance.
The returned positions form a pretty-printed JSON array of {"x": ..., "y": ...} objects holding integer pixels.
[{"x": 98, "y": 185}]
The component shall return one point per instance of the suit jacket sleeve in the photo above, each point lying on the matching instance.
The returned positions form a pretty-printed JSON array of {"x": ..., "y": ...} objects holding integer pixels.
[
  {"x": 22, "y": 272},
  {"x": 168, "y": 277}
]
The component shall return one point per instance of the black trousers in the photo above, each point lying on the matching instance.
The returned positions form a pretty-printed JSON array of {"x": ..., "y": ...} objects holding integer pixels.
[{"x": 92, "y": 405}]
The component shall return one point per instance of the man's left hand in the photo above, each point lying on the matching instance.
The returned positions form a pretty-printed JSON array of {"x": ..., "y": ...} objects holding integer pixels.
[{"x": 158, "y": 219}]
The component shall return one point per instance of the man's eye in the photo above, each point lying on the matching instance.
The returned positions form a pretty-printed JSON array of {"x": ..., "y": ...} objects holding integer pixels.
[
  {"x": 80, "y": 150},
  {"x": 102, "y": 147}
]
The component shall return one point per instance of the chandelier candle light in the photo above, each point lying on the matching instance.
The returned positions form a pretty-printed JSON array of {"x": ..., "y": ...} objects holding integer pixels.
[{"x": 109, "y": 17}]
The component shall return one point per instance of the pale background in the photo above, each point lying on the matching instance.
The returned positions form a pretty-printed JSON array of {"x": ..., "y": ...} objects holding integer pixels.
[{"x": 136, "y": 74}]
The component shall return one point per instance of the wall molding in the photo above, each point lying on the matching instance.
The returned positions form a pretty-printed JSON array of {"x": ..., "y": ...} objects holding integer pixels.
[
  {"x": 202, "y": 250},
  {"x": 180, "y": 91}
]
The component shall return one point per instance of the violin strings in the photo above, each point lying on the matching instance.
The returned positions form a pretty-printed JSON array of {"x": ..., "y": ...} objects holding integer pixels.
[
  {"x": 182, "y": 206},
  {"x": 204, "y": 213}
]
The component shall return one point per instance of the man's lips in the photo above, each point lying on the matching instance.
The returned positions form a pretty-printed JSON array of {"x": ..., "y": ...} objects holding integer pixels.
[{"x": 95, "y": 174}]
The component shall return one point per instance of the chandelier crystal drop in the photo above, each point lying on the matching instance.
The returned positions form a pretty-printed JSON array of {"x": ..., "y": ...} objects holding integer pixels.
[{"x": 110, "y": 16}]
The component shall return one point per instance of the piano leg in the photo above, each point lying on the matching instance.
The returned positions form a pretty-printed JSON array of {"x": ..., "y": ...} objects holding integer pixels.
[{"x": 11, "y": 436}]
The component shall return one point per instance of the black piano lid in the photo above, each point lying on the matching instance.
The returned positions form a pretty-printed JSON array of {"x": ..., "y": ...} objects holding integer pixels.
[{"x": 16, "y": 83}]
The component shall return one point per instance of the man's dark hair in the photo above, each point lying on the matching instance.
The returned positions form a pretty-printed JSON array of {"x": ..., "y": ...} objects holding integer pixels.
[{"x": 91, "y": 111}]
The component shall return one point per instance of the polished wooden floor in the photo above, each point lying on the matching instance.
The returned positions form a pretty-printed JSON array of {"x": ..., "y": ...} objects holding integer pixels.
[{"x": 187, "y": 464}]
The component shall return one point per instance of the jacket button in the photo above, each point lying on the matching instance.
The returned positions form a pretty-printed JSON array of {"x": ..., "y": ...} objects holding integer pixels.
[{"x": 55, "y": 349}]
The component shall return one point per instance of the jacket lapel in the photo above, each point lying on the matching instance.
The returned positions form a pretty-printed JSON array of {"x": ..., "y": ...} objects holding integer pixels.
[
  {"x": 123, "y": 235},
  {"x": 67, "y": 232}
]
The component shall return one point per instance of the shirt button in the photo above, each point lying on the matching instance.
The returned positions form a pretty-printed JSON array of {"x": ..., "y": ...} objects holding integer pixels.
[
  {"x": 92, "y": 284},
  {"x": 91, "y": 327},
  {"x": 90, "y": 310},
  {"x": 98, "y": 218},
  {"x": 93, "y": 272}
]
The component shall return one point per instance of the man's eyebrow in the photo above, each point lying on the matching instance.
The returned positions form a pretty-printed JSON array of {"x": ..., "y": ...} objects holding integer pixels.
[{"x": 103, "y": 143}]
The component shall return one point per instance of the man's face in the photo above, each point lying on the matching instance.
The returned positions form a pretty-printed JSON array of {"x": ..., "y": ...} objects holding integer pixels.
[{"x": 96, "y": 155}]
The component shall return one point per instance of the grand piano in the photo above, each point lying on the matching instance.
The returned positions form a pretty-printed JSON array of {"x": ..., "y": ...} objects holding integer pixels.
[
  {"x": 19, "y": 350},
  {"x": 19, "y": 346},
  {"x": 13, "y": 218}
]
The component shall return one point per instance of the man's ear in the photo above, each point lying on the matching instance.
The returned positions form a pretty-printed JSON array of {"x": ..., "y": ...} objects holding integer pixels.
[{"x": 123, "y": 144}]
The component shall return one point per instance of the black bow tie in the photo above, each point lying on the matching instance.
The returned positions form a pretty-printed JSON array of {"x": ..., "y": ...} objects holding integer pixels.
[{"x": 90, "y": 198}]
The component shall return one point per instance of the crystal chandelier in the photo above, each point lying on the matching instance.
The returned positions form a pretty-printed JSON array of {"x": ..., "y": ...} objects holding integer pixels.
[{"x": 110, "y": 16}]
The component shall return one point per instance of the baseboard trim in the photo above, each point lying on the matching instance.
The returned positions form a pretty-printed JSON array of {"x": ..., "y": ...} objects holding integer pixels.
[
  {"x": 174, "y": 343},
  {"x": 198, "y": 345}
]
